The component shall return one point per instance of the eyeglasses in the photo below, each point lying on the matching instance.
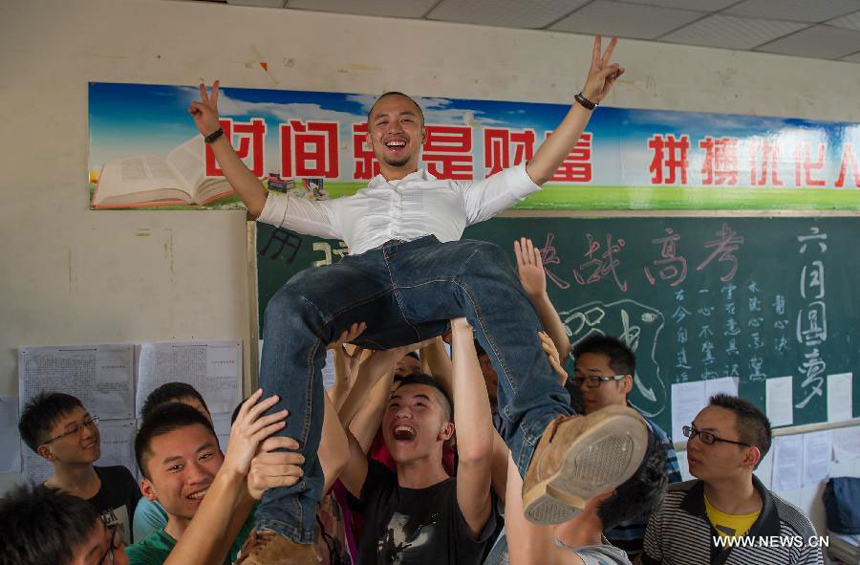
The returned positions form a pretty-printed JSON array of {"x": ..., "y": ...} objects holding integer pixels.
[
  {"x": 708, "y": 437},
  {"x": 88, "y": 423},
  {"x": 115, "y": 543},
  {"x": 592, "y": 381}
]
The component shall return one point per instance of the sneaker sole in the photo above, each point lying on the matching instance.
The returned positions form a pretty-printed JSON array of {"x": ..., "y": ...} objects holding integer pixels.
[{"x": 599, "y": 460}]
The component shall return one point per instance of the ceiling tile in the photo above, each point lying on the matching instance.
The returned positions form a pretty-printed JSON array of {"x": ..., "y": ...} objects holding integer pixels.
[
  {"x": 822, "y": 42},
  {"x": 812, "y": 11},
  {"x": 258, "y": 3},
  {"x": 851, "y": 21},
  {"x": 638, "y": 21},
  {"x": 696, "y": 5},
  {"x": 533, "y": 14},
  {"x": 731, "y": 33},
  {"x": 385, "y": 8}
]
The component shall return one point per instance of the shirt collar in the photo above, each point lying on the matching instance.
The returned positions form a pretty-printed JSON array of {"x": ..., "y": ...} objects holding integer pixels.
[
  {"x": 420, "y": 174},
  {"x": 766, "y": 524}
]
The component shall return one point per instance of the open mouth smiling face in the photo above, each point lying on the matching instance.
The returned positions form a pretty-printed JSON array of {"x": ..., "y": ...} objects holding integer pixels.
[
  {"x": 198, "y": 495},
  {"x": 404, "y": 432},
  {"x": 396, "y": 145}
]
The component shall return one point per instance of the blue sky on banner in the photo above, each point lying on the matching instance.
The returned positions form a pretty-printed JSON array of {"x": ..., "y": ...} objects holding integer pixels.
[{"x": 127, "y": 120}]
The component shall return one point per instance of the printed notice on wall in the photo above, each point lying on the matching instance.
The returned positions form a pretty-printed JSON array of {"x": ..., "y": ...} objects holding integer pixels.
[
  {"x": 213, "y": 368},
  {"x": 10, "y": 441},
  {"x": 100, "y": 376}
]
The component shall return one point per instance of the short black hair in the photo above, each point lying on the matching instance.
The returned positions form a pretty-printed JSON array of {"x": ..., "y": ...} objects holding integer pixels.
[
  {"x": 163, "y": 420},
  {"x": 641, "y": 494},
  {"x": 621, "y": 357},
  {"x": 170, "y": 392},
  {"x": 753, "y": 427},
  {"x": 425, "y": 379},
  {"x": 41, "y": 413},
  {"x": 413, "y": 354},
  {"x": 393, "y": 93},
  {"x": 43, "y": 526}
]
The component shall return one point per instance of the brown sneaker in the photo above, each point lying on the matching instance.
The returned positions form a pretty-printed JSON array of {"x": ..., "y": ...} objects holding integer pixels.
[
  {"x": 269, "y": 548},
  {"x": 579, "y": 457}
]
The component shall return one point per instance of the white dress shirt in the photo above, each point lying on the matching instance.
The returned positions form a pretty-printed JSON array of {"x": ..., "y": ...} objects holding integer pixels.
[{"x": 417, "y": 205}]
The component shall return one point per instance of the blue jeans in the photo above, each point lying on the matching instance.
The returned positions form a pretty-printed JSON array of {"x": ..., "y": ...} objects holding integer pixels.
[{"x": 405, "y": 292}]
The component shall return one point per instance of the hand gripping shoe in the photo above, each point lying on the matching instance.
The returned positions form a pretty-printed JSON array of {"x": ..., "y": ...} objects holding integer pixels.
[{"x": 579, "y": 457}]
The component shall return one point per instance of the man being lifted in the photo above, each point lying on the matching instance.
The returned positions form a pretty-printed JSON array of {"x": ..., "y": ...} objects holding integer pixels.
[{"x": 407, "y": 274}]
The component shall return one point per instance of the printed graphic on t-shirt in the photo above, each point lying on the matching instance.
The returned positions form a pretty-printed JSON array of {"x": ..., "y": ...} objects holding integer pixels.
[
  {"x": 406, "y": 538},
  {"x": 119, "y": 516}
]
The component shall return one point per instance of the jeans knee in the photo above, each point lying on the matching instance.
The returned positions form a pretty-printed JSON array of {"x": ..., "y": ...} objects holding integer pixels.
[
  {"x": 287, "y": 304},
  {"x": 488, "y": 254},
  {"x": 488, "y": 260}
]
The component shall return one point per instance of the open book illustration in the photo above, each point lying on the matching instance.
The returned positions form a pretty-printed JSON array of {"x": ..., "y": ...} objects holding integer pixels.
[{"x": 150, "y": 180}]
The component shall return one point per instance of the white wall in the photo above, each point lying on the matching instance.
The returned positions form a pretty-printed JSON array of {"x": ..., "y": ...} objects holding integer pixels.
[{"x": 76, "y": 276}]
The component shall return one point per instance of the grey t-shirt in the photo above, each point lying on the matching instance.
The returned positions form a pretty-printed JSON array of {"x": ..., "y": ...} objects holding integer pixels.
[{"x": 603, "y": 554}]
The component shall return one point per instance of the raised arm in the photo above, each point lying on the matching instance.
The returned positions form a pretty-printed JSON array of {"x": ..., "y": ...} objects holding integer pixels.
[
  {"x": 473, "y": 423},
  {"x": 533, "y": 277},
  {"x": 247, "y": 186},
  {"x": 305, "y": 216},
  {"x": 601, "y": 77},
  {"x": 345, "y": 364}
]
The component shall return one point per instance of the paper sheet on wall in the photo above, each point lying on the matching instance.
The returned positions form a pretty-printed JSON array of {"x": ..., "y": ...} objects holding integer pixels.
[
  {"x": 328, "y": 372},
  {"x": 10, "y": 440},
  {"x": 221, "y": 423},
  {"x": 725, "y": 385},
  {"x": 117, "y": 443},
  {"x": 846, "y": 443},
  {"x": 100, "y": 376},
  {"x": 839, "y": 397},
  {"x": 213, "y": 368},
  {"x": 687, "y": 400},
  {"x": 778, "y": 401},
  {"x": 787, "y": 463},
  {"x": 816, "y": 457}
]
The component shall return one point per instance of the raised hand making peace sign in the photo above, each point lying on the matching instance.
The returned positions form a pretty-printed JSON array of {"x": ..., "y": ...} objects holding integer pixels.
[
  {"x": 205, "y": 112},
  {"x": 602, "y": 74}
]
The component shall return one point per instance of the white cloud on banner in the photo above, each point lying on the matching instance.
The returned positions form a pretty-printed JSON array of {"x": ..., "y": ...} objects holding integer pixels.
[
  {"x": 436, "y": 111},
  {"x": 284, "y": 112},
  {"x": 703, "y": 122}
]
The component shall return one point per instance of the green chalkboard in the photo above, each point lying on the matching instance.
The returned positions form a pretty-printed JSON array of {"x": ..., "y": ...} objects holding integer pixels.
[{"x": 697, "y": 298}]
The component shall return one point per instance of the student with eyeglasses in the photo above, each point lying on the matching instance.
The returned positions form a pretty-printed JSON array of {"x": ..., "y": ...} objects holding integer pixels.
[
  {"x": 59, "y": 428},
  {"x": 706, "y": 520},
  {"x": 604, "y": 369},
  {"x": 46, "y": 525}
]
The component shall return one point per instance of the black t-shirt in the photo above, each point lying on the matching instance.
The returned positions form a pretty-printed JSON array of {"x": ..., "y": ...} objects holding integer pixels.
[
  {"x": 405, "y": 526},
  {"x": 117, "y": 498}
]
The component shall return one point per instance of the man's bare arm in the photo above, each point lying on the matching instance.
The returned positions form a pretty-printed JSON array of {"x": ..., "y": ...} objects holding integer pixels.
[
  {"x": 473, "y": 423},
  {"x": 601, "y": 77},
  {"x": 533, "y": 278},
  {"x": 247, "y": 186}
]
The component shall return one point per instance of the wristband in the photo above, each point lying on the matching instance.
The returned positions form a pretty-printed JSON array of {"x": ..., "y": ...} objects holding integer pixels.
[
  {"x": 585, "y": 102},
  {"x": 214, "y": 135}
]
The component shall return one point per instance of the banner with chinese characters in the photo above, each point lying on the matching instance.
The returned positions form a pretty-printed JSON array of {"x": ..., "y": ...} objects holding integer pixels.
[{"x": 145, "y": 152}]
